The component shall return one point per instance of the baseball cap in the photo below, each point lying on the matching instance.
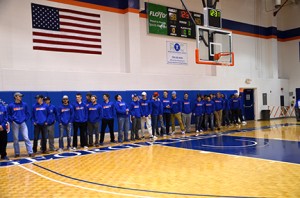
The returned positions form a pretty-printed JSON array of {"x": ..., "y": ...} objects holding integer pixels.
[
  {"x": 65, "y": 97},
  {"x": 18, "y": 94},
  {"x": 47, "y": 98},
  {"x": 39, "y": 96},
  {"x": 144, "y": 93},
  {"x": 173, "y": 92},
  {"x": 134, "y": 95},
  {"x": 155, "y": 94}
]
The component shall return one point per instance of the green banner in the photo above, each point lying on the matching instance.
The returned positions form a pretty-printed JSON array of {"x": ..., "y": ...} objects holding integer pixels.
[{"x": 157, "y": 19}]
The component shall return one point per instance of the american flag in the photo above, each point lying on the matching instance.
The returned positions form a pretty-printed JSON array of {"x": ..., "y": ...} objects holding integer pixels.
[{"x": 65, "y": 30}]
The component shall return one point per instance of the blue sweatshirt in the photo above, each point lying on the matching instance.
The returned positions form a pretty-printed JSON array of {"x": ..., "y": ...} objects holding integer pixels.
[
  {"x": 146, "y": 107},
  {"x": 121, "y": 109},
  {"x": 39, "y": 113},
  {"x": 94, "y": 113},
  {"x": 297, "y": 104},
  {"x": 3, "y": 116},
  {"x": 186, "y": 106},
  {"x": 176, "y": 106},
  {"x": 108, "y": 110},
  {"x": 219, "y": 104},
  {"x": 226, "y": 104},
  {"x": 52, "y": 114},
  {"x": 235, "y": 104},
  {"x": 65, "y": 114},
  {"x": 135, "y": 109},
  {"x": 157, "y": 108},
  {"x": 209, "y": 107},
  {"x": 166, "y": 102},
  {"x": 198, "y": 109},
  {"x": 80, "y": 112},
  {"x": 18, "y": 112}
]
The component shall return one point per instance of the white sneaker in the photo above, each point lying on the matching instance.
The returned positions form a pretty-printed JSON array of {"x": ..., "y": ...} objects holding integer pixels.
[
  {"x": 70, "y": 149},
  {"x": 154, "y": 137},
  {"x": 60, "y": 150},
  {"x": 74, "y": 148},
  {"x": 173, "y": 133},
  {"x": 197, "y": 131},
  {"x": 201, "y": 130},
  {"x": 165, "y": 135},
  {"x": 244, "y": 123},
  {"x": 85, "y": 148},
  {"x": 182, "y": 132}
]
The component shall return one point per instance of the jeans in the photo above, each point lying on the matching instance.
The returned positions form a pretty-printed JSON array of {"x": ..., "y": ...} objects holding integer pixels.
[
  {"x": 136, "y": 125},
  {"x": 93, "y": 128},
  {"x": 82, "y": 126},
  {"x": 50, "y": 131},
  {"x": 210, "y": 118},
  {"x": 186, "y": 120},
  {"x": 3, "y": 143},
  {"x": 154, "y": 122},
  {"x": 178, "y": 117},
  {"x": 167, "y": 120},
  {"x": 146, "y": 120},
  {"x": 37, "y": 130},
  {"x": 110, "y": 124},
  {"x": 68, "y": 129},
  {"x": 22, "y": 128},
  {"x": 123, "y": 124},
  {"x": 198, "y": 123}
]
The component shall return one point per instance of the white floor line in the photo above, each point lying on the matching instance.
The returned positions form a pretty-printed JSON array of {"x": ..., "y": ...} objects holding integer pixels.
[{"x": 85, "y": 188}]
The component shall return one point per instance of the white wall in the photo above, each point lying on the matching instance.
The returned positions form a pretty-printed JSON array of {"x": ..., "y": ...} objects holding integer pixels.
[{"x": 133, "y": 59}]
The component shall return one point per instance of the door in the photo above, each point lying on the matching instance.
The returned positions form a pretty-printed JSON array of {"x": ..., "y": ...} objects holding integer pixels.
[{"x": 248, "y": 97}]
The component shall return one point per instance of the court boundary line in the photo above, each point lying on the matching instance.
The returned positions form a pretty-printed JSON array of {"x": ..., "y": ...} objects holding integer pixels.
[
  {"x": 85, "y": 188},
  {"x": 139, "y": 190}
]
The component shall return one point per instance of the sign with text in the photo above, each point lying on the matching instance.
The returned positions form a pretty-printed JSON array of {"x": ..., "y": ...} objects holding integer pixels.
[{"x": 177, "y": 53}]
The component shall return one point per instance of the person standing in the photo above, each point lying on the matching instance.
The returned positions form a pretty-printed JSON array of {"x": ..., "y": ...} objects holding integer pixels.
[
  {"x": 135, "y": 116},
  {"x": 122, "y": 112},
  {"x": 88, "y": 97},
  {"x": 226, "y": 111},
  {"x": 94, "y": 117},
  {"x": 209, "y": 110},
  {"x": 18, "y": 114},
  {"x": 235, "y": 106},
  {"x": 109, "y": 112},
  {"x": 52, "y": 116},
  {"x": 176, "y": 109},
  {"x": 166, "y": 111},
  {"x": 156, "y": 116},
  {"x": 219, "y": 106},
  {"x": 80, "y": 122},
  {"x": 297, "y": 110},
  {"x": 146, "y": 109},
  {"x": 65, "y": 116},
  {"x": 198, "y": 112},
  {"x": 186, "y": 112},
  {"x": 3, "y": 132},
  {"x": 39, "y": 118}
]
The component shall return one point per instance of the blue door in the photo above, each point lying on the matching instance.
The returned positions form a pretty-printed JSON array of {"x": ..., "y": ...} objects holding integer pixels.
[{"x": 248, "y": 97}]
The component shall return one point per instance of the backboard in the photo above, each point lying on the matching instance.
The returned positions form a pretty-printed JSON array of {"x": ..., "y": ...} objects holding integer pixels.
[{"x": 213, "y": 46}]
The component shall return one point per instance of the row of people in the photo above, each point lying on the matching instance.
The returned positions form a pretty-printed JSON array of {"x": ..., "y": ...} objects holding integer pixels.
[{"x": 86, "y": 117}]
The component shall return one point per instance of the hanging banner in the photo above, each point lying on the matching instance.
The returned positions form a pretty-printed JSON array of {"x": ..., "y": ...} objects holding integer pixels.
[{"x": 177, "y": 53}]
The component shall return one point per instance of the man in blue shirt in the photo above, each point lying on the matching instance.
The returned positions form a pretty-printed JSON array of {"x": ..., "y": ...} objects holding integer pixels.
[
  {"x": 198, "y": 112},
  {"x": 146, "y": 109},
  {"x": 18, "y": 114},
  {"x": 209, "y": 110},
  {"x": 3, "y": 132},
  {"x": 39, "y": 119},
  {"x": 122, "y": 111},
  {"x": 156, "y": 115},
  {"x": 186, "y": 112},
  {"x": 166, "y": 111},
  {"x": 135, "y": 113},
  {"x": 52, "y": 116},
  {"x": 176, "y": 109},
  {"x": 94, "y": 117},
  {"x": 219, "y": 106}
]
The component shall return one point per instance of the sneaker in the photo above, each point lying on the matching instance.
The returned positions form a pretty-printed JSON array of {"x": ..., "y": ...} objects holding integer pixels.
[
  {"x": 45, "y": 152},
  {"x": 143, "y": 137},
  {"x": 101, "y": 144},
  {"x": 60, "y": 150},
  {"x": 5, "y": 158},
  {"x": 74, "y": 148},
  {"x": 153, "y": 137},
  {"x": 165, "y": 135},
  {"x": 85, "y": 148},
  {"x": 31, "y": 155},
  {"x": 197, "y": 131},
  {"x": 70, "y": 149},
  {"x": 17, "y": 155},
  {"x": 173, "y": 133},
  {"x": 182, "y": 132},
  {"x": 244, "y": 123},
  {"x": 201, "y": 130},
  {"x": 96, "y": 145}
]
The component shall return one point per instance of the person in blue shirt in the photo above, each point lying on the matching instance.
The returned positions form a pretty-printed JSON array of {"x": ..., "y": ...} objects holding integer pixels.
[
  {"x": 219, "y": 106},
  {"x": 94, "y": 117},
  {"x": 226, "y": 111},
  {"x": 198, "y": 112},
  {"x": 80, "y": 122},
  {"x": 52, "y": 116},
  {"x": 18, "y": 114},
  {"x": 3, "y": 132},
  {"x": 209, "y": 109},
  {"x": 108, "y": 114},
  {"x": 122, "y": 111},
  {"x": 297, "y": 110},
  {"x": 39, "y": 117},
  {"x": 235, "y": 107},
  {"x": 156, "y": 115},
  {"x": 135, "y": 116},
  {"x": 166, "y": 111},
  {"x": 146, "y": 109},
  {"x": 65, "y": 116},
  {"x": 186, "y": 112},
  {"x": 176, "y": 109},
  {"x": 88, "y": 97}
]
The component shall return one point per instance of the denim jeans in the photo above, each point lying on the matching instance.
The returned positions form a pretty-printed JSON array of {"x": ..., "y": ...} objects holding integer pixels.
[
  {"x": 154, "y": 121},
  {"x": 68, "y": 129},
  {"x": 93, "y": 128},
  {"x": 50, "y": 131},
  {"x": 22, "y": 128},
  {"x": 210, "y": 118},
  {"x": 123, "y": 124},
  {"x": 186, "y": 120},
  {"x": 198, "y": 123}
]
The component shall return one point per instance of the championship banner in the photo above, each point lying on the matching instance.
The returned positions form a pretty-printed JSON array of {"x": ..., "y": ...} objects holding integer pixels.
[{"x": 177, "y": 53}]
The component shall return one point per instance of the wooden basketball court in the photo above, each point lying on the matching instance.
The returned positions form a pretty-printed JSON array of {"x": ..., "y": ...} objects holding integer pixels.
[{"x": 260, "y": 159}]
